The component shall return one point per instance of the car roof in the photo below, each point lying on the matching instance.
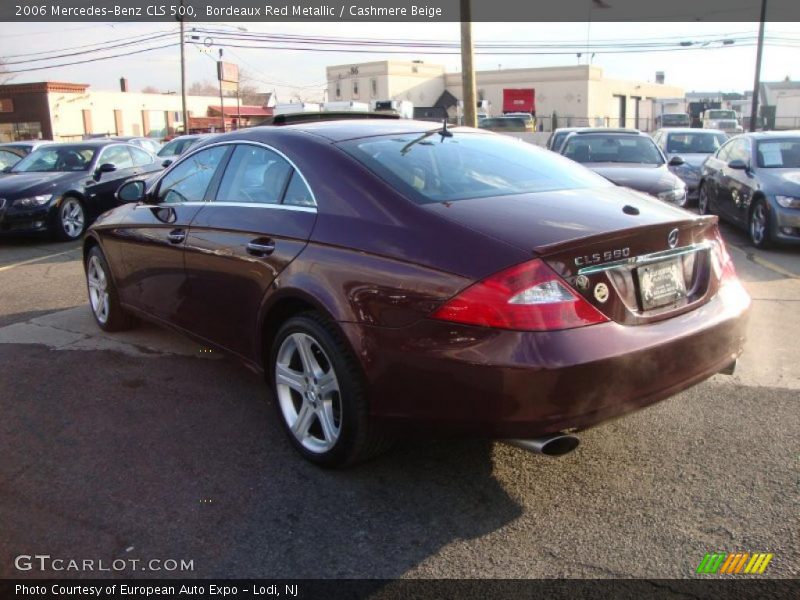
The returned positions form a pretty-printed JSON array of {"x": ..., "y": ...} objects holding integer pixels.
[
  {"x": 790, "y": 133},
  {"x": 337, "y": 131},
  {"x": 96, "y": 143},
  {"x": 590, "y": 130},
  {"x": 690, "y": 130}
]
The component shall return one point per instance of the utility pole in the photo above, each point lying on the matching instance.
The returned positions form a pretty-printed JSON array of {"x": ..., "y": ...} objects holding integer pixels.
[
  {"x": 221, "y": 101},
  {"x": 183, "y": 77},
  {"x": 467, "y": 70},
  {"x": 757, "y": 79}
]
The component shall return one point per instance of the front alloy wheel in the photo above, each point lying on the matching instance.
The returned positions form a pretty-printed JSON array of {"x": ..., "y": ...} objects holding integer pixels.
[
  {"x": 702, "y": 202},
  {"x": 759, "y": 225},
  {"x": 71, "y": 218}
]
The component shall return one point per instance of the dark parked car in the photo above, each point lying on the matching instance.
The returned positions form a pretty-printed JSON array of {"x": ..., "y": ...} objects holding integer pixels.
[
  {"x": 753, "y": 181},
  {"x": 177, "y": 146},
  {"x": 558, "y": 136},
  {"x": 61, "y": 188},
  {"x": 385, "y": 274},
  {"x": 693, "y": 146},
  {"x": 507, "y": 124},
  {"x": 12, "y": 152},
  {"x": 629, "y": 158}
]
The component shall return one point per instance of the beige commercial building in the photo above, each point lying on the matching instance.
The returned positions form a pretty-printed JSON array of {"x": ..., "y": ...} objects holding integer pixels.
[{"x": 578, "y": 95}]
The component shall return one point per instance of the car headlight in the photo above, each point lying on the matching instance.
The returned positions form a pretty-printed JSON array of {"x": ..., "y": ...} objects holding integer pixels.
[
  {"x": 788, "y": 201},
  {"x": 673, "y": 195},
  {"x": 33, "y": 201}
]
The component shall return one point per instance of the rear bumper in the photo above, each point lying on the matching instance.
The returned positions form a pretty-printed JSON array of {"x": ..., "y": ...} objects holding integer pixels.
[{"x": 522, "y": 384}]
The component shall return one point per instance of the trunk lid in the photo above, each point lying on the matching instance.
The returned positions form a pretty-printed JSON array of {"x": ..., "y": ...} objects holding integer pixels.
[{"x": 619, "y": 249}]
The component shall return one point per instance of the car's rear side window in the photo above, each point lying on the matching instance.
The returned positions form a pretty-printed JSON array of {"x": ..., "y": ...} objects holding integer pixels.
[
  {"x": 297, "y": 193},
  {"x": 254, "y": 175},
  {"x": 431, "y": 167}
]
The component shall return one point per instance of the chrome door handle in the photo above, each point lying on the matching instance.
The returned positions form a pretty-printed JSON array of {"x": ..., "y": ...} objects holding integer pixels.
[
  {"x": 261, "y": 248},
  {"x": 176, "y": 236}
]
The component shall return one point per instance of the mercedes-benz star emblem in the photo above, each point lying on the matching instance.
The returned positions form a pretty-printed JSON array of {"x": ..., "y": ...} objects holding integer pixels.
[{"x": 672, "y": 238}]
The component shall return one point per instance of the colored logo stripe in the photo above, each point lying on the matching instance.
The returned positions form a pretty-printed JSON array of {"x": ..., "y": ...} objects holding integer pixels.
[{"x": 736, "y": 563}]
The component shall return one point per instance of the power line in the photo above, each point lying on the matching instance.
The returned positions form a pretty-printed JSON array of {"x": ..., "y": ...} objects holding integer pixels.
[{"x": 91, "y": 60}]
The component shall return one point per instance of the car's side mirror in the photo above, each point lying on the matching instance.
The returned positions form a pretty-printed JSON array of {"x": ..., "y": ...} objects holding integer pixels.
[
  {"x": 676, "y": 161},
  {"x": 166, "y": 163},
  {"x": 131, "y": 191},
  {"x": 738, "y": 163},
  {"x": 104, "y": 168}
]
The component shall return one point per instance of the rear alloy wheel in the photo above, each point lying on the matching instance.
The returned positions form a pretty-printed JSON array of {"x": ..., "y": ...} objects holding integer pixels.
[
  {"x": 103, "y": 298},
  {"x": 759, "y": 225},
  {"x": 320, "y": 395},
  {"x": 71, "y": 219},
  {"x": 702, "y": 202}
]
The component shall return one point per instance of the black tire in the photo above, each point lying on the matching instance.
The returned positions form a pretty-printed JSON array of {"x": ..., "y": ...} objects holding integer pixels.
[
  {"x": 114, "y": 318},
  {"x": 703, "y": 200},
  {"x": 358, "y": 438},
  {"x": 759, "y": 224},
  {"x": 70, "y": 220}
]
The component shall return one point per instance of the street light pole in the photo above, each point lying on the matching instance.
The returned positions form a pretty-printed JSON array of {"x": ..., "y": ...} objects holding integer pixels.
[
  {"x": 467, "y": 70},
  {"x": 185, "y": 114},
  {"x": 757, "y": 78},
  {"x": 221, "y": 101}
]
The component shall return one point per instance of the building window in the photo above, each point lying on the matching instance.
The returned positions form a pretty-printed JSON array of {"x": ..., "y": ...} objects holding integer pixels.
[
  {"x": 355, "y": 88},
  {"x": 338, "y": 89},
  {"x": 374, "y": 85}
]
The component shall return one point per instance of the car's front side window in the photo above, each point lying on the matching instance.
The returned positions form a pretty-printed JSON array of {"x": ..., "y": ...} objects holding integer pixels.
[
  {"x": 254, "y": 175},
  {"x": 117, "y": 156},
  {"x": 188, "y": 181}
]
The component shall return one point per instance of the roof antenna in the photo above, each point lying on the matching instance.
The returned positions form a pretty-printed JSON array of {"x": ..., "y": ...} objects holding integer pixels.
[{"x": 444, "y": 132}]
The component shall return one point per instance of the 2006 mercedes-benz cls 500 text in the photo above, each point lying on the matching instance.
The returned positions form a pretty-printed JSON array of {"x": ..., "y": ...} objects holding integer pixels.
[{"x": 386, "y": 274}]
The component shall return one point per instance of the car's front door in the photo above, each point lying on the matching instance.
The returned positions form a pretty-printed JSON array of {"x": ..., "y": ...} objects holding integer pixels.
[
  {"x": 730, "y": 197},
  {"x": 260, "y": 219},
  {"x": 150, "y": 246},
  {"x": 712, "y": 175}
]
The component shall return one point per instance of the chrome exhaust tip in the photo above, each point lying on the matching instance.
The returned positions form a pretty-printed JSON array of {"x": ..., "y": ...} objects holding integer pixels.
[
  {"x": 557, "y": 444},
  {"x": 730, "y": 368}
]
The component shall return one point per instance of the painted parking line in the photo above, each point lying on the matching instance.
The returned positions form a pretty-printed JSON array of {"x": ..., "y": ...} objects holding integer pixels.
[{"x": 37, "y": 259}]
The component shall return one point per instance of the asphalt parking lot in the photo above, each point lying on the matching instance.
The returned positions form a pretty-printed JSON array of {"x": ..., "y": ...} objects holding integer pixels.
[{"x": 144, "y": 445}]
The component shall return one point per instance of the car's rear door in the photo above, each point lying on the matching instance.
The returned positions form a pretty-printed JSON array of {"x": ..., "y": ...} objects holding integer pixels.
[
  {"x": 259, "y": 220},
  {"x": 150, "y": 245},
  {"x": 729, "y": 196}
]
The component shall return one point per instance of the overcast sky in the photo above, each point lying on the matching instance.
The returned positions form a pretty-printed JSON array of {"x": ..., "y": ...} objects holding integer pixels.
[{"x": 728, "y": 68}]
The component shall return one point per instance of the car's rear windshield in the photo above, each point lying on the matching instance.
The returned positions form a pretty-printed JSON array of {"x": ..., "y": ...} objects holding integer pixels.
[
  {"x": 779, "y": 154},
  {"x": 610, "y": 148},
  {"x": 434, "y": 168},
  {"x": 699, "y": 142},
  {"x": 57, "y": 158}
]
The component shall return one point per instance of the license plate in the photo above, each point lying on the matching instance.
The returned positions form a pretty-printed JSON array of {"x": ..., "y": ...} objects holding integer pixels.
[{"x": 661, "y": 283}]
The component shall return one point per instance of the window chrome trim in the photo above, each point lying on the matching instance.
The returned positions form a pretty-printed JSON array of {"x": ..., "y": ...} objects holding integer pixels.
[
  {"x": 251, "y": 143},
  {"x": 307, "y": 209},
  {"x": 645, "y": 259}
]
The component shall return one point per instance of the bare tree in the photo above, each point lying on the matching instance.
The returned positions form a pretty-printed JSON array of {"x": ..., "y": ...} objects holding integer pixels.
[
  {"x": 5, "y": 76},
  {"x": 203, "y": 88}
]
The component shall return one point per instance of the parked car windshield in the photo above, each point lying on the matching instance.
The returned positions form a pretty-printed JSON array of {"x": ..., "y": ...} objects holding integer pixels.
[
  {"x": 505, "y": 123},
  {"x": 8, "y": 158},
  {"x": 433, "y": 168},
  {"x": 607, "y": 148},
  {"x": 700, "y": 142},
  {"x": 779, "y": 154},
  {"x": 176, "y": 146},
  {"x": 57, "y": 158}
]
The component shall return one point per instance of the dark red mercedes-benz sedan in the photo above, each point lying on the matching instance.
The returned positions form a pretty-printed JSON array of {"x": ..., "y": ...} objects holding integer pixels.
[{"x": 388, "y": 273}]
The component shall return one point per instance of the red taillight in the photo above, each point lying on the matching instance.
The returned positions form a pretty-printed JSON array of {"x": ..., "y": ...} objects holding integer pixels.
[
  {"x": 527, "y": 297},
  {"x": 731, "y": 289}
]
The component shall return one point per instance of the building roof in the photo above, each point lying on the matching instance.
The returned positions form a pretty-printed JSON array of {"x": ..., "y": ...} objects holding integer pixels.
[
  {"x": 243, "y": 110},
  {"x": 43, "y": 87}
]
